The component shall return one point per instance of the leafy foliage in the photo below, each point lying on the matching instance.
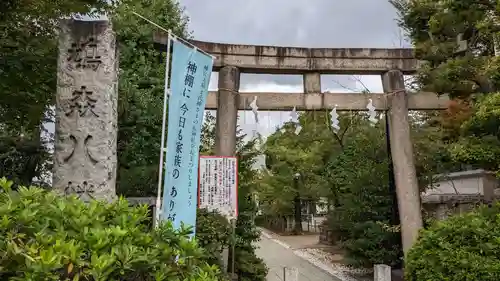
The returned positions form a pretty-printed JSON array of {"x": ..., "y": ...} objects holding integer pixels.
[
  {"x": 436, "y": 29},
  {"x": 141, "y": 88},
  {"x": 213, "y": 233},
  {"x": 464, "y": 247},
  {"x": 479, "y": 144},
  {"x": 289, "y": 155},
  {"x": 350, "y": 168},
  {"x": 44, "y": 236},
  {"x": 22, "y": 157},
  {"x": 469, "y": 72},
  {"x": 28, "y": 60},
  {"x": 248, "y": 266},
  {"x": 363, "y": 202},
  {"x": 458, "y": 40}
]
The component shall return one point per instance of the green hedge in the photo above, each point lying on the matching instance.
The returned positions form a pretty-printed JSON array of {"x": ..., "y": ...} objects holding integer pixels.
[
  {"x": 461, "y": 248},
  {"x": 44, "y": 236}
]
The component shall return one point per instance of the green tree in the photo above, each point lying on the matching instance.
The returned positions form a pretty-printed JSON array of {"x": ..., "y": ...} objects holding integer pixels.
[
  {"x": 28, "y": 60},
  {"x": 479, "y": 143},
  {"x": 457, "y": 41},
  {"x": 28, "y": 43},
  {"x": 294, "y": 167},
  {"x": 141, "y": 88},
  {"x": 350, "y": 168},
  {"x": 436, "y": 29},
  {"x": 213, "y": 233},
  {"x": 248, "y": 265},
  {"x": 359, "y": 177}
]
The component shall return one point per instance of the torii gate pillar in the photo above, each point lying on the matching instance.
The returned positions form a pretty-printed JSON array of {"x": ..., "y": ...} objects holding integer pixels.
[
  {"x": 402, "y": 157},
  {"x": 228, "y": 100},
  {"x": 227, "y": 111}
]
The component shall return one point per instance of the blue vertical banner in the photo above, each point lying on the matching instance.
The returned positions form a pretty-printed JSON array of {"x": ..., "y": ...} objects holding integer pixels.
[{"x": 189, "y": 79}]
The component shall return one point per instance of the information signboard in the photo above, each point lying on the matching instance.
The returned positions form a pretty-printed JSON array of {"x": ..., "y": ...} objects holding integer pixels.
[{"x": 218, "y": 185}]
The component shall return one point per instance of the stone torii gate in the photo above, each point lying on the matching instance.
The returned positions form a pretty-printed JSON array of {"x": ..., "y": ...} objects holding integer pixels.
[{"x": 391, "y": 64}]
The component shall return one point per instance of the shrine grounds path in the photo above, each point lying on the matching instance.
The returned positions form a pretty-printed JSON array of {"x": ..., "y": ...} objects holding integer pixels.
[{"x": 277, "y": 255}]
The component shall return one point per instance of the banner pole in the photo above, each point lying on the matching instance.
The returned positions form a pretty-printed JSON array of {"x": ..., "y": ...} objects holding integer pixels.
[
  {"x": 166, "y": 94},
  {"x": 233, "y": 250}
]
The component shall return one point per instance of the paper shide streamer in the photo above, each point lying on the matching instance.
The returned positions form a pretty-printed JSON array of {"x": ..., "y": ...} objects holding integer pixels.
[
  {"x": 372, "y": 114},
  {"x": 255, "y": 110},
  {"x": 334, "y": 118},
  {"x": 294, "y": 118}
]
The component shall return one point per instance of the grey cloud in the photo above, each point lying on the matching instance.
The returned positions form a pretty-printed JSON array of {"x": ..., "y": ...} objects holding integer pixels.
[
  {"x": 320, "y": 23},
  {"x": 247, "y": 78},
  {"x": 340, "y": 83}
]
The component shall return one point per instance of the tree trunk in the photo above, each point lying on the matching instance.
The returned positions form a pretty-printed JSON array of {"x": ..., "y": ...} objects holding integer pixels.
[
  {"x": 33, "y": 153},
  {"x": 298, "y": 215}
]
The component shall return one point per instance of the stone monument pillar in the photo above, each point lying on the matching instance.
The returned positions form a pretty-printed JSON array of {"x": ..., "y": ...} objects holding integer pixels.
[{"x": 86, "y": 110}]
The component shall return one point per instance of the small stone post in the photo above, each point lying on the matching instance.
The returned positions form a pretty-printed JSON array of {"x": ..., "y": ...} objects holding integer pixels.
[
  {"x": 86, "y": 110},
  {"x": 290, "y": 274},
  {"x": 381, "y": 272},
  {"x": 405, "y": 175}
]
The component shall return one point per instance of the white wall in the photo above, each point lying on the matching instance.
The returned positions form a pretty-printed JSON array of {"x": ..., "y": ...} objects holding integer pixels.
[
  {"x": 466, "y": 182},
  {"x": 460, "y": 186}
]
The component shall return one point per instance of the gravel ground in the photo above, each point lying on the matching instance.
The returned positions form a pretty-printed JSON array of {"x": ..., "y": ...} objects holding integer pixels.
[{"x": 324, "y": 260}]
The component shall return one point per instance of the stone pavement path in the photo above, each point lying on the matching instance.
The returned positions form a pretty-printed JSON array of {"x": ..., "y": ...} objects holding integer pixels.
[{"x": 277, "y": 256}]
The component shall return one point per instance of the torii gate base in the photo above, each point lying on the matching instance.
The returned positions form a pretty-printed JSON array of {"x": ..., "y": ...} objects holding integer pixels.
[{"x": 311, "y": 63}]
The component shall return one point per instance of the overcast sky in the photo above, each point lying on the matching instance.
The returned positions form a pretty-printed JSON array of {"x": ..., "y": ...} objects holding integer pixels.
[{"x": 320, "y": 23}]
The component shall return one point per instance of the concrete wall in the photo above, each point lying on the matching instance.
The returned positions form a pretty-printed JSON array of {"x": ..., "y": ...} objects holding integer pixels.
[
  {"x": 460, "y": 192},
  {"x": 467, "y": 182}
]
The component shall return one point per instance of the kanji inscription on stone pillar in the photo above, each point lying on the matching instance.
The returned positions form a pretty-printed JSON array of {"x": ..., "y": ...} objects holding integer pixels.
[{"x": 86, "y": 110}]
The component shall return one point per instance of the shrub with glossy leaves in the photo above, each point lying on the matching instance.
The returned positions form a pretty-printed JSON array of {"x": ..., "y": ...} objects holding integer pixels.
[
  {"x": 461, "y": 248},
  {"x": 44, "y": 236}
]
